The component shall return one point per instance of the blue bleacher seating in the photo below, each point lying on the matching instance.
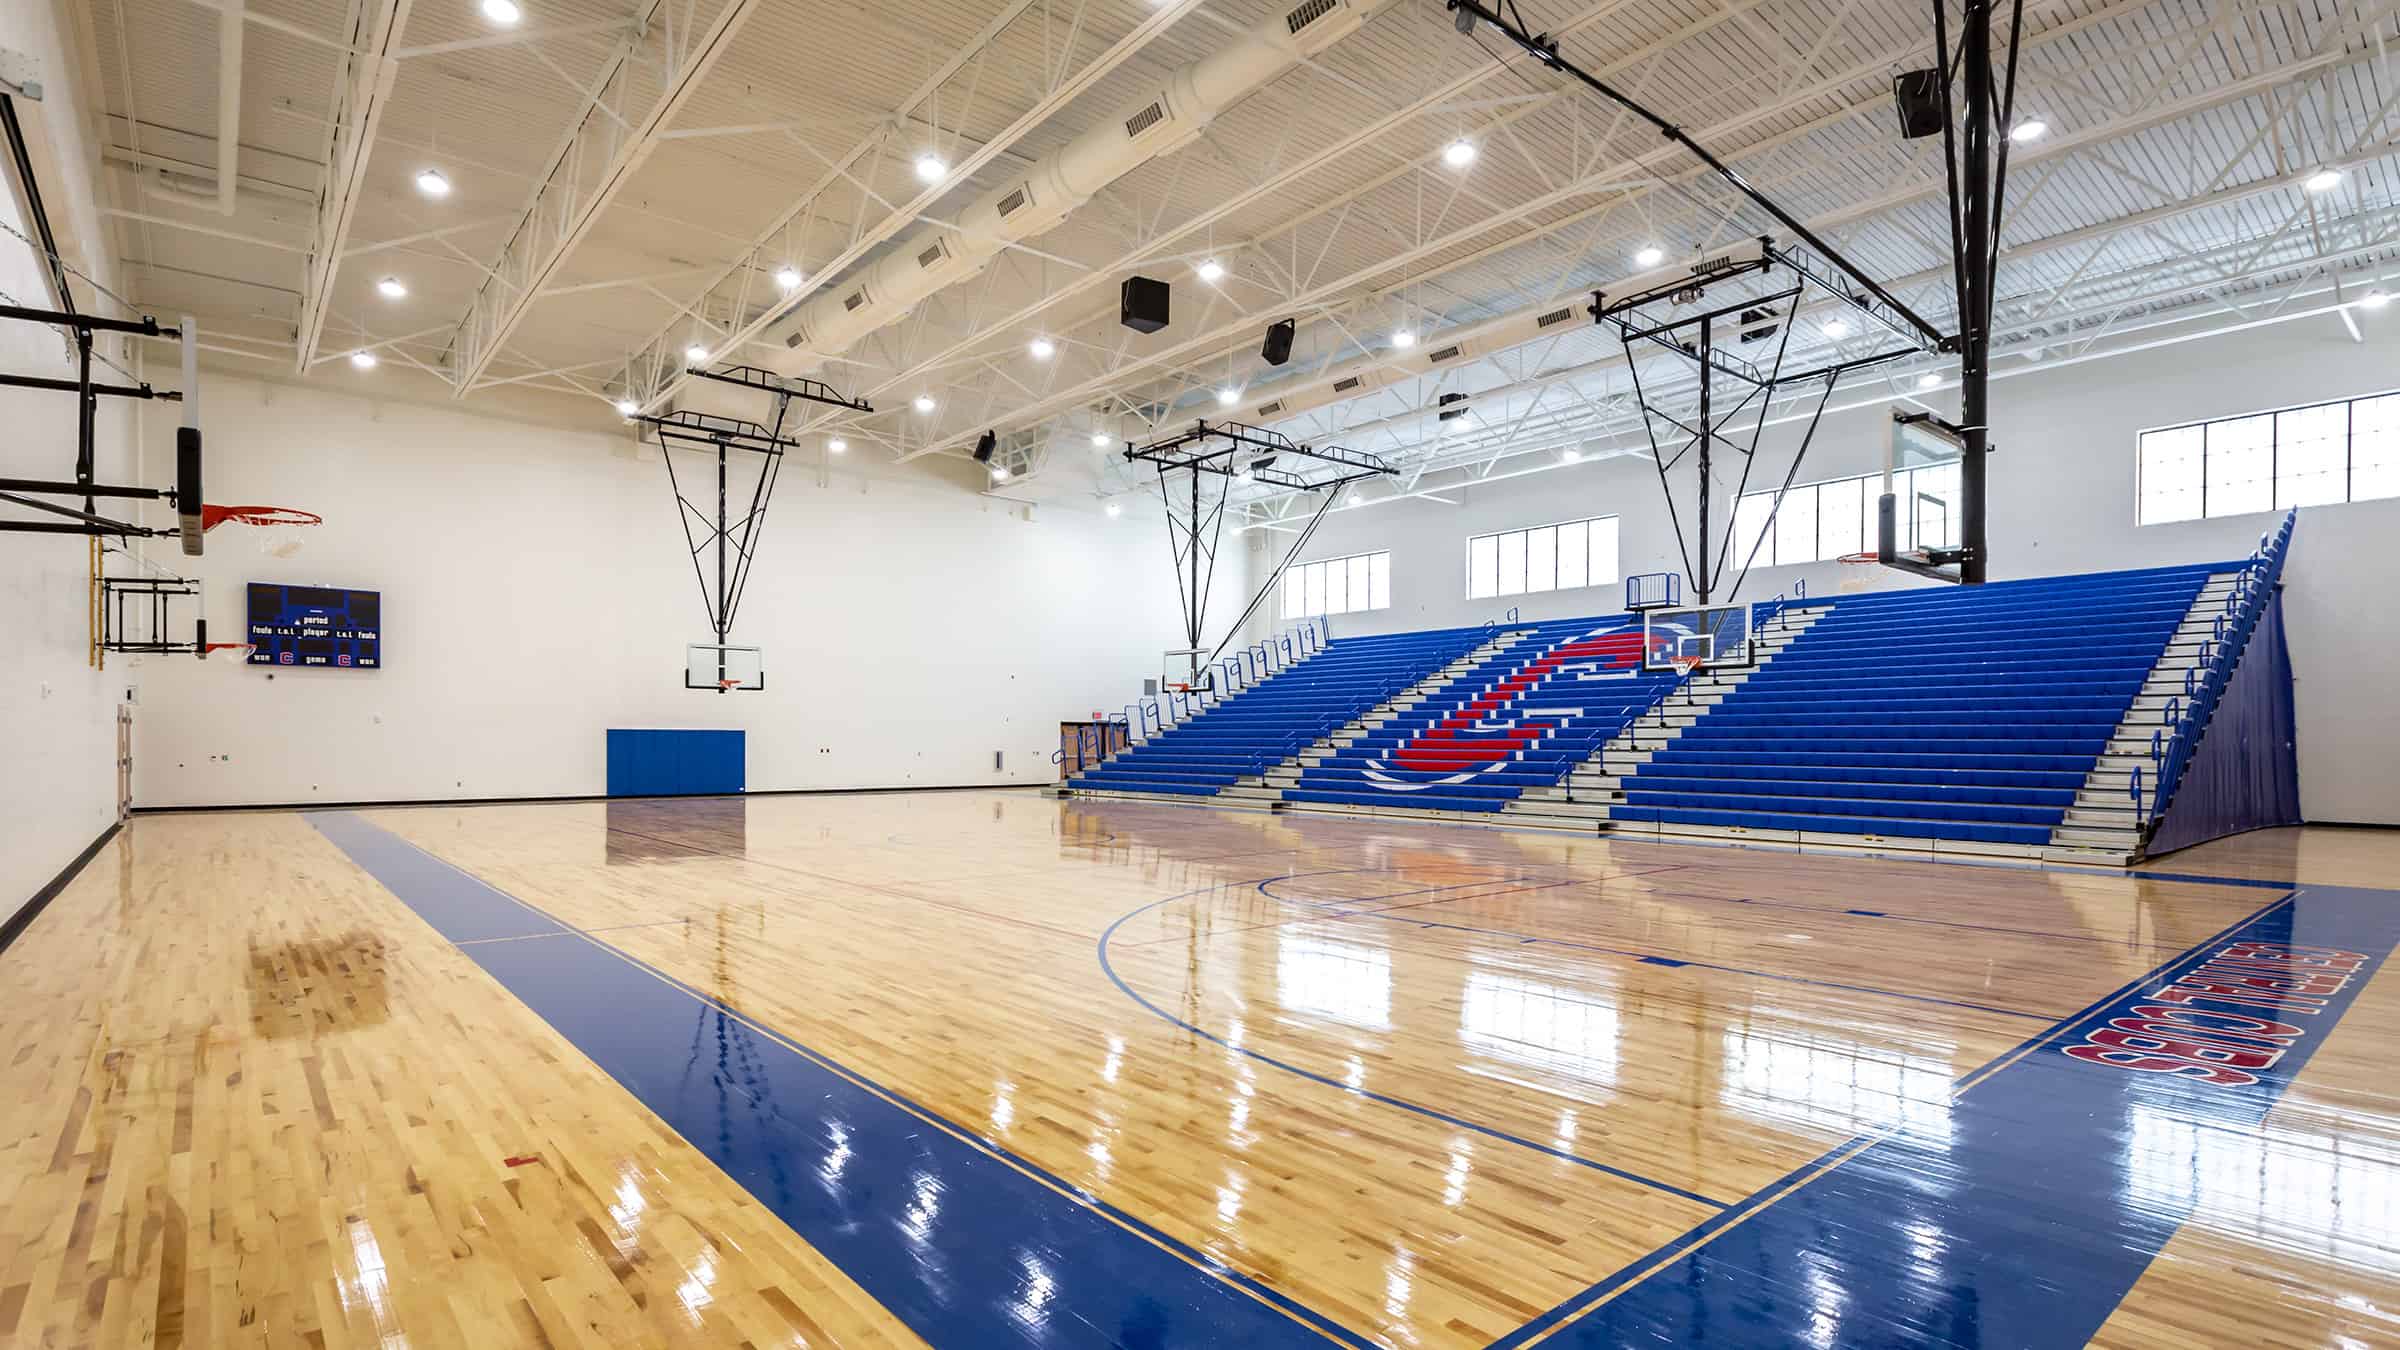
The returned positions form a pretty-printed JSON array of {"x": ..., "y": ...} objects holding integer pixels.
[
  {"x": 1269, "y": 722},
  {"x": 1969, "y": 714},
  {"x": 1520, "y": 719}
]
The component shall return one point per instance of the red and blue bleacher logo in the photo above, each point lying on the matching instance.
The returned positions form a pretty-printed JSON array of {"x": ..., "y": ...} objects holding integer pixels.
[{"x": 1495, "y": 729}]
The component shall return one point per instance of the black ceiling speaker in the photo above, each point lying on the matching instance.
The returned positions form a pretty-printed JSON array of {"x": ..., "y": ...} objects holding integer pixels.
[
  {"x": 985, "y": 444},
  {"x": 1918, "y": 95},
  {"x": 1277, "y": 349},
  {"x": 1142, "y": 304}
]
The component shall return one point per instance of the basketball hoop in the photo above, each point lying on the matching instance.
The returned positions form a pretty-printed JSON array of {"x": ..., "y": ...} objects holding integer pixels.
[
  {"x": 245, "y": 648},
  {"x": 280, "y": 525}
]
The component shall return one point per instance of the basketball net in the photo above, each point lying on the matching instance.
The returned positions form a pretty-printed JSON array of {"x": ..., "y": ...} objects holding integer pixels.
[
  {"x": 279, "y": 527},
  {"x": 1854, "y": 576}
]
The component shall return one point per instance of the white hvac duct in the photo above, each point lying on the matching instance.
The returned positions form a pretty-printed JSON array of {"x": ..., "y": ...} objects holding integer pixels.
[
  {"x": 1437, "y": 352},
  {"x": 931, "y": 257},
  {"x": 229, "y": 101}
]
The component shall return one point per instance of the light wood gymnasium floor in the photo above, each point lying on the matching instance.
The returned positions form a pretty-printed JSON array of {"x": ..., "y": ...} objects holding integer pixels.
[{"x": 983, "y": 1069}]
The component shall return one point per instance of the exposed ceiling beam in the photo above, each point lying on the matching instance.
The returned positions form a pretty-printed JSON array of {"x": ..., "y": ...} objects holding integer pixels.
[
  {"x": 283, "y": 26},
  {"x": 907, "y": 213},
  {"x": 212, "y": 231},
  {"x": 1211, "y": 345},
  {"x": 516, "y": 39},
  {"x": 365, "y": 93},
  {"x": 599, "y": 157},
  {"x": 152, "y": 162}
]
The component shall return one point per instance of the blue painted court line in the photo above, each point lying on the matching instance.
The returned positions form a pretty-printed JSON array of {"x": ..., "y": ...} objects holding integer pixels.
[
  {"x": 2056, "y": 1184},
  {"x": 1648, "y": 957},
  {"x": 1431, "y": 1113},
  {"x": 966, "y": 1242}
]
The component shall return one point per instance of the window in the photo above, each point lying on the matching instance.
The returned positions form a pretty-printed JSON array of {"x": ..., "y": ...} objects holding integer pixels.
[
  {"x": 1819, "y": 522},
  {"x": 1548, "y": 558},
  {"x": 2347, "y": 451},
  {"x": 1338, "y": 585}
]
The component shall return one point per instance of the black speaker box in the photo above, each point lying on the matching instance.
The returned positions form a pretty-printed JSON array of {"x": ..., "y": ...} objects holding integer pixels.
[
  {"x": 1142, "y": 304},
  {"x": 1277, "y": 349},
  {"x": 1918, "y": 95}
]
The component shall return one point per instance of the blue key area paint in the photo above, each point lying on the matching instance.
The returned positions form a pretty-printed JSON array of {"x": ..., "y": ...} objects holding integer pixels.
[
  {"x": 966, "y": 1243},
  {"x": 2057, "y": 1181}
]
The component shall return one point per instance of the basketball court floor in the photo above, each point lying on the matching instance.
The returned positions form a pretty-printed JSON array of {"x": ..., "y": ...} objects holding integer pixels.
[{"x": 983, "y": 1068}]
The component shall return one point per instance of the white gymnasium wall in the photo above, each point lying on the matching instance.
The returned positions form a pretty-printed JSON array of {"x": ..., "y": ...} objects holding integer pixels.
[
  {"x": 2062, "y": 485},
  {"x": 57, "y": 714},
  {"x": 536, "y": 592}
]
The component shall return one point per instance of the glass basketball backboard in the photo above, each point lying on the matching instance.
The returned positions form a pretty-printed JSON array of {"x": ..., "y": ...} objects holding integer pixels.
[
  {"x": 1705, "y": 635},
  {"x": 724, "y": 669},
  {"x": 1179, "y": 667}
]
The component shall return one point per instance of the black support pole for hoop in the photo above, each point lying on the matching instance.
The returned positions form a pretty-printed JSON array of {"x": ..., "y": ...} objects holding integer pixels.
[
  {"x": 735, "y": 540},
  {"x": 1231, "y": 451},
  {"x": 1974, "y": 322},
  {"x": 1708, "y": 433}
]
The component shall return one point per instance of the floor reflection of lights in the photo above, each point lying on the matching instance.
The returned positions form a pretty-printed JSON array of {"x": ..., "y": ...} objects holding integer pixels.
[
  {"x": 2323, "y": 1195},
  {"x": 1346, "y": 981},
  {"x": 1795, "y": 1076},
  {"x": 1035, "y": 1291},
  {"x": 371, "y": 1290},
  {"x": 1571, "y": 1031},
  {"x": 695, "y": 1293}
]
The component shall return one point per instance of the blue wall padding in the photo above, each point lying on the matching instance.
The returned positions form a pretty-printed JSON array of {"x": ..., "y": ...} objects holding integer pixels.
[{"x": 647, "y": 763}]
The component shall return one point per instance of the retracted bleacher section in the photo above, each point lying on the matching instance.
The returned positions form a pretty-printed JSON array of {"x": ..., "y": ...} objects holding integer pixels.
[
  {"x": 1973, "y": 715},
  {"x": 1273, "y": 720},
  {"x": 1521, "y": 719}
]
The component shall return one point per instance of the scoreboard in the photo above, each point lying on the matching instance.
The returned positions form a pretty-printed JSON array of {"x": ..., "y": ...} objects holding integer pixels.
[{"x": 328, "y": 627}]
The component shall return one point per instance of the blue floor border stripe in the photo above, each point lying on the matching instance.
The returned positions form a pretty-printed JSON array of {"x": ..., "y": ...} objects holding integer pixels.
[
  {"x": 964, "y": 1241},
  {"x": 1920, "y": 1237}
]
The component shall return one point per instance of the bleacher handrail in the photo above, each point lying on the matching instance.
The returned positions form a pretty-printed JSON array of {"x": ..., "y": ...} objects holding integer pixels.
[
  {"x": 1090, "y": 749},
  {"x": 2185, "y": 717}
]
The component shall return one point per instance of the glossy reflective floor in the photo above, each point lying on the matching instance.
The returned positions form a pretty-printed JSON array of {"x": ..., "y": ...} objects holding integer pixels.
[{"x": 985, "y": 1069}]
